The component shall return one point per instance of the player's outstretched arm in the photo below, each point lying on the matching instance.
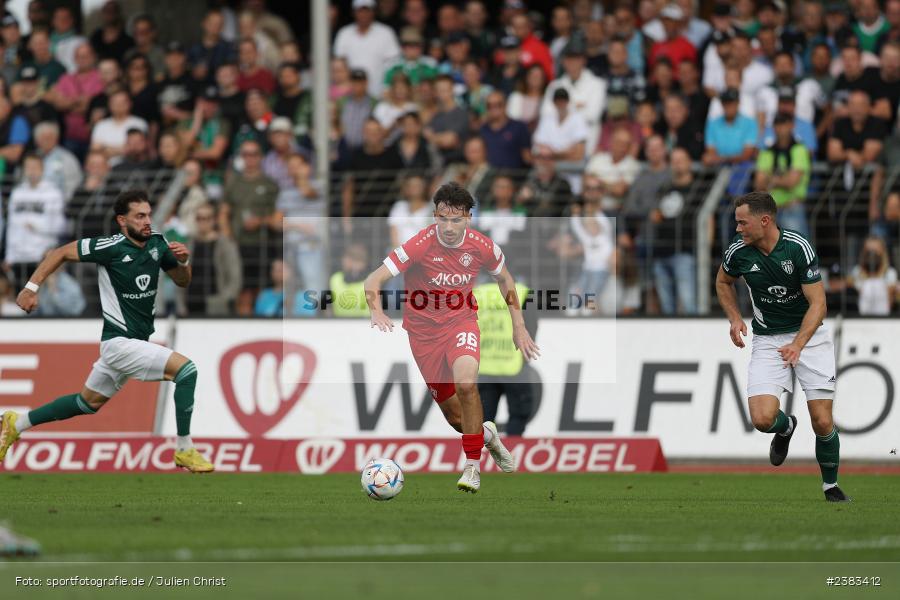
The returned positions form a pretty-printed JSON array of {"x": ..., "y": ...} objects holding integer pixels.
[
  {"x": 818, "y": 309},
  {"x": 729, "y": 303},
  {"x": 521, "y": 337},
  {"x": 373, "y": 283},
  {"x": 28, "y": 298}
]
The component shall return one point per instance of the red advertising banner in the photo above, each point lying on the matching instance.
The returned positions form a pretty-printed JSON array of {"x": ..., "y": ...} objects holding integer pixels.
[
  {"x": 32, "y": 374},
  {"x": 320, "y": 456}
]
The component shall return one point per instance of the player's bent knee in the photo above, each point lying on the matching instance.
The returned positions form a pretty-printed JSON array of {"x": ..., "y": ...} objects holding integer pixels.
[
  {"x": 466, "y": 389},
  {"x": 763, "y": 422},
  {"x": 822, "y": 424}
]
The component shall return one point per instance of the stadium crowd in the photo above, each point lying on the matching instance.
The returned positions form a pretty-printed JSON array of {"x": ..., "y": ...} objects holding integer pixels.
[{"x": 607, "y": 120}]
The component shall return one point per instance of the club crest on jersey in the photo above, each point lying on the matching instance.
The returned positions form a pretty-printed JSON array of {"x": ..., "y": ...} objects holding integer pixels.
[
  {"x": 142, "y": 281},
  {"x": 466, "y": 259},
  {"x": 788, "y": 266},
  {"x": 155, "y": 253}
]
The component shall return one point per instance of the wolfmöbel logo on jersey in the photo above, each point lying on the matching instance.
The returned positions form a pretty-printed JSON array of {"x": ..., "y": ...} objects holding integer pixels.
[{"x": 263, "y": 380}]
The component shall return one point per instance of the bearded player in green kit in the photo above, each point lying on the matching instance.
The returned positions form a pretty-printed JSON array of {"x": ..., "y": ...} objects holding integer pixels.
[
  {"x": 128, "y": 266},
  {"x": 781, "y": 269}
]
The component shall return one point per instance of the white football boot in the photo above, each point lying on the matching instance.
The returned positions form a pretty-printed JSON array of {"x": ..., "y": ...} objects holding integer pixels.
[
  {"x": 499, "y": 453},
  {"x": 470, "y": 480}
]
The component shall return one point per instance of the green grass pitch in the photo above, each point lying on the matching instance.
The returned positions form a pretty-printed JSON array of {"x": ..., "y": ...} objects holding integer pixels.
[{"x": 719, "y": 528}]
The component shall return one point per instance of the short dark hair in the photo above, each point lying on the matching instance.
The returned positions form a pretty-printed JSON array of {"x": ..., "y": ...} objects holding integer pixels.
[
  {"x": 127, "y": 198},
  {"x": 135, "y": 131},
  {"x": 759, "y": 203},
  {"x": 455, "y": 196}
]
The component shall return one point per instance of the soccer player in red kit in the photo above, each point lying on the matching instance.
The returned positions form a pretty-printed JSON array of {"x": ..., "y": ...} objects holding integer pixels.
[{"x": 440, "y": 265}]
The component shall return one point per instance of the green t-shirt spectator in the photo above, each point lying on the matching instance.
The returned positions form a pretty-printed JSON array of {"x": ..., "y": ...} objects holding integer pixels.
[
  {"x": 796, "y": 159},
  {"x": 870, "y": 37},
  {"x": 48, "y": 72},
  {"x": 421, "y": 70}
]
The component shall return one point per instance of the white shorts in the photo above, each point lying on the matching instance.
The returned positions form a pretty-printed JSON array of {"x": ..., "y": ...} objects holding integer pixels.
[
  {"x": 122, "y": 359},
  {"x": 815, "y": 369}
]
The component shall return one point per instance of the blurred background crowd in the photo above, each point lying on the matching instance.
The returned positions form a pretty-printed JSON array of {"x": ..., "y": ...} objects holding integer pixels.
[{"x": 602, "y": 141}]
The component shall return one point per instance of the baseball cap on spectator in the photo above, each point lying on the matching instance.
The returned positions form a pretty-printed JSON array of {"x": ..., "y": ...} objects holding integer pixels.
[
  {"x": 574, "y": 48},
  {"x": 358, "y": 4},
  {"x": 836, "y": 7},
  {"x": 783, "y": 117},
  {"x": 455, "y": 37},
  {"x": 508, "y": 42},
  {"x": 672, "y": 11},
  {"x": 617, "y": 107},
  {"x": 9, "y": 21},
  {"x": 358, "y": 75},
  {"x": 282, "y": 124},
  {"x": 561, "y": 94},
  {"x": 768, "y": 5},
  {"x": 722, "y": 9},
  {"x": 721, "y": 37},
  {"x": 175, "y": 47},
  {"x": 210, "y": 93},
  {"x": 729, "y": 95},
  {"x": 514, "y": 4},
  {"x": 410, "y": 36},
  {"x": 28, "y": 73}
]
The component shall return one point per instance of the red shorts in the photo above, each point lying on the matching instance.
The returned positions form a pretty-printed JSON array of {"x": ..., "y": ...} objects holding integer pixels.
[{"x": 435, "y": 354}]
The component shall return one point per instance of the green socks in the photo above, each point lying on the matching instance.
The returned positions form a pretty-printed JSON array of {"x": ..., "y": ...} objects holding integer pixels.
[
  {"x": 64, "y": 407},
  {"x": 185, "y": 382},
  {"x": 781, "y": 424},
  {"x": 828, "y": 453}
]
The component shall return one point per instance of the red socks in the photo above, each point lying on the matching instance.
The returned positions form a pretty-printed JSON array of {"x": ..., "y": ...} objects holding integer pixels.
[{"x": 472, "y": 444}]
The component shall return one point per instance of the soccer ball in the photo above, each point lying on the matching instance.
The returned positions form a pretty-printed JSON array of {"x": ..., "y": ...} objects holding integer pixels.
[{"x": 382, "y": 479}]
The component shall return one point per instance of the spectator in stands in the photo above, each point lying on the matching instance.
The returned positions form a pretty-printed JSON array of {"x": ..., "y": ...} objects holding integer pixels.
[
  {"x": 12, "y": 49},
  {"x": 60, "y": 296},
  {"x": 177, "y": 89},
  {"x": 525, "y": 102},
  {"x": 545, "y": 193},
  {"x": 618, "y": 117},
  {"x": 270, "y": 301},
  {"x": 870, "y": 26},
  {"x": 135, "y": 155},
  {"x": 371, "y": 169},
  {"x": 72, "y": 95},
  {"x": 858, "y": 138},
  {"x": 292, "y": 101},
  {"x": 170, "y": 154},
  {"x": 397, "y": 102},
  {"x": 484, "y": 40},
  {"x": 533, "y": 50},
  {"x": 49, "y": 69},
  {"x": 216, "y": 268},
  {"x": 212, "y": 51},
  {"x": 808, "y": 92},
  {"x": 623, "y": 80},
  {"x": 458, "y": 50},
  {"x": 662, "y": 82},
  {"x": 678, "y": 130},
  {"x": 449, "y": 128},
  {"x": 356, "y": 108},
  {"x": 231, "y": 99},
  {"x": 783, "y": 169},
  {"x": 696, "y": 98},
  {"x": 139, "y": 82},
  {"x": 563, "y": 23},
  {"x": 412, "y": 212},
  {"x": 596, "y": 235},
  {"x": 145, "y": 32},
  {"x": 281, "y": 147},
  {"x": 476, "y": 174},
  {"x": 205, "y": 135},
  {"x": 91, "y": 206},
  {"x": 587, "y": 92},
  {"x": 644, "y": 191},
  {"x": 270, "y": 56},
  {"x": 249, "y": 216},
  {"x": 731, "y": 138},
  {"x": 744, "y": 17},
  {"x": 15, "y": 134},
  {"x": 875, "y": 279},
  {"x": 475, "y": 96},
  {"x": 508, "y": 141},
  {"x": 674, "y": 220},
  {"x": 415, "y": 15},
  {"x": 348, "y": 283},
  {"x": 626, "y": 29},
  {"x": 304, "y": 207},
  {"x": 61, "y": 167},
  {"x": 886, "y": 101},
  {"x": 562, "y": 130},
  {"x": 271, "y": 24},
  {"x": 111, "y": 76},
  {"x": 110, "y": 133},
  {"x": 412, "y": 149},
  {"x": 183, "y": 214},
  {"x": 35, "y": 222},
  {"x": 854, "y": 78},
  {"x": 804, "y": 131},
  {"x": 500, "y": 218},
  {"x": 675, "y": 46},
  {"x": 509, "y": 72},
  {"x": 65, "y": 38},
  {"x": 892, "y": 16},
  {"x": 716, "y": 56},
  {"x": 340, "y": 79},
  {"x": 615, "y": 171},
  {"x": 255, "y": 122},
  {"x": 754, "y": 74},
  {"x": 29, "y": 99},
  {"x": 252, "y": 74},
  {"x": 367, "y": 44},
  {"x": 110, "y": 39},
  {"x": 412, "y": 62}
]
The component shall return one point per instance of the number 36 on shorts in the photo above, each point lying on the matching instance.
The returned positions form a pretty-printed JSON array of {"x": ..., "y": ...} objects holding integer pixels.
[{"x": 467, "y": 338}]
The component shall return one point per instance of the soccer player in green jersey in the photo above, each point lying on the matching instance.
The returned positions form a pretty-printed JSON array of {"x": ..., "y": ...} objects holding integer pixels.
[
  {"x": 781, "y": 269},
  {"x": 128, "y": 266}
]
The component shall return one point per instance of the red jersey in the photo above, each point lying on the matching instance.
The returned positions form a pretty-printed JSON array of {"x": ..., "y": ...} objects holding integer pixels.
[{"x": 439, "y": 278}]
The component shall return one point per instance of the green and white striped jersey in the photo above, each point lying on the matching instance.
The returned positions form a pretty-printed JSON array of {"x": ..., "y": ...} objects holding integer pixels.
[{"x": 128, "y": 276}]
